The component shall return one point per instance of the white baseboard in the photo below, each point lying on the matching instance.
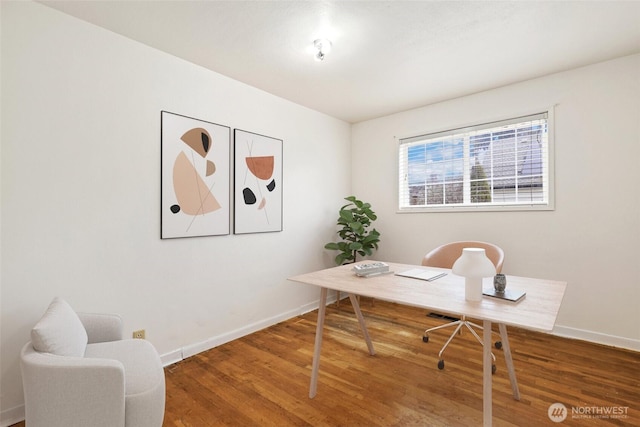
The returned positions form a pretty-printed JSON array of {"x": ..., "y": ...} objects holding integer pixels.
[
  {"x": 596, "y": 337},
  {"x": 170, "y": 358},
  {"x": 193, "y": 349},
  {"x": 12, "y": 416}
]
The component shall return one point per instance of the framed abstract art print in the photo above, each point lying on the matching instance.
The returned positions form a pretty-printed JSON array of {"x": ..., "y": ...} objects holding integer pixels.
[
  {"x": 195, "y": 194},
  {"x": 257, "y": 183}
]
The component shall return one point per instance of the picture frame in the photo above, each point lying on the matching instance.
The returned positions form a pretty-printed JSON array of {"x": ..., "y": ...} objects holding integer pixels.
[
  {"x": 257, "y": 183},
  {"x": 195, "y": 177}
]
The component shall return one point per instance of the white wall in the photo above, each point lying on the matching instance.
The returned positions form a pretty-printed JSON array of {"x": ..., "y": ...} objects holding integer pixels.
[
  {"x": 591, "y": 240},
  {"x": 80, "y": 173},
  {"x": 81, "y": 193}
]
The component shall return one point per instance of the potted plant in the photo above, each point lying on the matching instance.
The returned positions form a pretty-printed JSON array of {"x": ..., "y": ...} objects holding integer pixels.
[{"x": 356, "y": 218}]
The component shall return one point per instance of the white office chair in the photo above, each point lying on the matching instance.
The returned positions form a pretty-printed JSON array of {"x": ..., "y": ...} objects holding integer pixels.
[{"x": 443, "y": 257}]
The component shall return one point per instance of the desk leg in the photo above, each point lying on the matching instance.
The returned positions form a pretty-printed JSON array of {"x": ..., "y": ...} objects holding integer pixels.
[
  {"x": 486, "y": 375},
  {"x": 507, "y": 357},
  {"x": 313, "y": 388},
  {"x": 363, "y": 326}
]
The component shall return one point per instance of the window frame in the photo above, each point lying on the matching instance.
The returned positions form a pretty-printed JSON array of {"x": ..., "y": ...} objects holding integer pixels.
[{"x": 493, "y": 207}]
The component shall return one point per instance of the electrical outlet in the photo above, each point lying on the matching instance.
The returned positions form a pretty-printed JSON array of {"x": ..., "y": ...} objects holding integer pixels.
[{"x": 139, "y": 334}]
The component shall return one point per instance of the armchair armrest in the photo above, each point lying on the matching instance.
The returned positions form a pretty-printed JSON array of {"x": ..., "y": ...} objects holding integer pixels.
[
  {"x": 61, "y": 390},
  {"x": 102, "y": 327}
]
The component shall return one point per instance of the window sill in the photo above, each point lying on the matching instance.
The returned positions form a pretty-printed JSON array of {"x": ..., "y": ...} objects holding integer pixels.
[{"x": 503, "y": 208}]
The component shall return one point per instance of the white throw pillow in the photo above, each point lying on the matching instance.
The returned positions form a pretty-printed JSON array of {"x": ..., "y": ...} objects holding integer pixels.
[{"x": 59, "y": 331}]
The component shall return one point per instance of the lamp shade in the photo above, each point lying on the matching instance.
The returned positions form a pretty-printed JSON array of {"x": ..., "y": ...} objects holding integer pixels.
[{"x": 473, "y": 265}]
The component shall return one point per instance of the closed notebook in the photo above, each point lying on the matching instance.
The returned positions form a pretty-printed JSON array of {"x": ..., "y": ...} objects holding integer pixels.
[{"x": 422, "y": 274}]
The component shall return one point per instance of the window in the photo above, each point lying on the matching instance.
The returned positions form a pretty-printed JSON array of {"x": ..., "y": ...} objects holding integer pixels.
[{"x": 499, "y": 165}]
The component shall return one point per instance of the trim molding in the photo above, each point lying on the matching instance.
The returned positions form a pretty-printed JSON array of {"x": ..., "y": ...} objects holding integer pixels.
[
  {"x": 193, "y": 349},
  {"x": 597, "y": 338},
  {"x": 12, "y": 416},
  {"x": 199, "y": 347}
]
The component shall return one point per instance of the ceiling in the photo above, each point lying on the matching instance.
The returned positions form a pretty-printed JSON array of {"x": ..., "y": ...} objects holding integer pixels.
[{"x": 388, "y": 56}]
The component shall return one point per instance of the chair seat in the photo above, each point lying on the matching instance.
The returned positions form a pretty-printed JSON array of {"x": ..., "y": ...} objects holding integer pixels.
[
  {"x": 144, "y": 378},
  {"x": 142, "y": 366}
]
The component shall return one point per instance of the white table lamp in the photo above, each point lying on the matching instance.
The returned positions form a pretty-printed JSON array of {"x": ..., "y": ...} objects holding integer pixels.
[{"x": 473, "y": 265}]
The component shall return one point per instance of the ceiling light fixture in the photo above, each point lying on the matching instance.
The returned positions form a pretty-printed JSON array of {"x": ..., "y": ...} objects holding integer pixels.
[{"x": 323, "y": 47}]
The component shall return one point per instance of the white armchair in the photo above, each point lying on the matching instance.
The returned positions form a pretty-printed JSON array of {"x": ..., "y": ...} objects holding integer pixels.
[{"x": 78, "y": 371}]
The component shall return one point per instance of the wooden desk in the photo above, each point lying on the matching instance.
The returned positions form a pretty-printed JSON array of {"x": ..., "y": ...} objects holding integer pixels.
[{"x": 537, "y": 311}]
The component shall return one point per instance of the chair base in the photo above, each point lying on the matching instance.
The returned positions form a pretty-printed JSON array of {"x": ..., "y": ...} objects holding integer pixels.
[{"x": 458, "y": 326}]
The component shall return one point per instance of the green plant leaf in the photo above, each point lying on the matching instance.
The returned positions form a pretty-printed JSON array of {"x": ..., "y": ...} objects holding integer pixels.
[
  {"x": 355, "y": 246},
  {"x": 369, "y": 241},
  {"x": 343, "y": 246},
  {"x": 346, "y": 215},
  {"x": 367, "y": 251},
  {"x": 356, "y": 227}
]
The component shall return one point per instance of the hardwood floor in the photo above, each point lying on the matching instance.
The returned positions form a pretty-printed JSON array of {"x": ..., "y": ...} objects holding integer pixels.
[{"x": 263, "y": 379}]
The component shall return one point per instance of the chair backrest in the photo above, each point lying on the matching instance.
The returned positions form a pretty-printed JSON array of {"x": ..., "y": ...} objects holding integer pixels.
[{"x": 444, "y": 256}]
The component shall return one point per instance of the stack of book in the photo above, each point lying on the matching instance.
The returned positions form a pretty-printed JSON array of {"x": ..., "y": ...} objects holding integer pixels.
[{"x": 371, "y": 269}]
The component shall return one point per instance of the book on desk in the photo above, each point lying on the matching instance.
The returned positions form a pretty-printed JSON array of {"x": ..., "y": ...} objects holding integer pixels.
[
  {"x": 422, "y": 274},
  {"x": 371, "y": 269},
  {"x": 513, "y": 295}
]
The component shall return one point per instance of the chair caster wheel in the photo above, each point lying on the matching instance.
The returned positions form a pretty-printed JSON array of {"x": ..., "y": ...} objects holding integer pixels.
[
  {"x": 498, "y": 345},
  {"x": 425, "y": 338},
  {"x": 494, "y": 368},
  {"x": 440, "y": 364}
]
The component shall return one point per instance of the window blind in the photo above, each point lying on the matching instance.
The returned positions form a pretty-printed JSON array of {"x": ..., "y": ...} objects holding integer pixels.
[{"x": 503, "y": 163}]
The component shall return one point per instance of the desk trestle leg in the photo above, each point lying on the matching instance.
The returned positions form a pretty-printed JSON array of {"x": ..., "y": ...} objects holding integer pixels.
[
  {"x": 507, "y": 357},
  {"x": 363, "y": 326},
  {"x": 486, "y": 375},
  {"x": 313, "y": 388}
]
